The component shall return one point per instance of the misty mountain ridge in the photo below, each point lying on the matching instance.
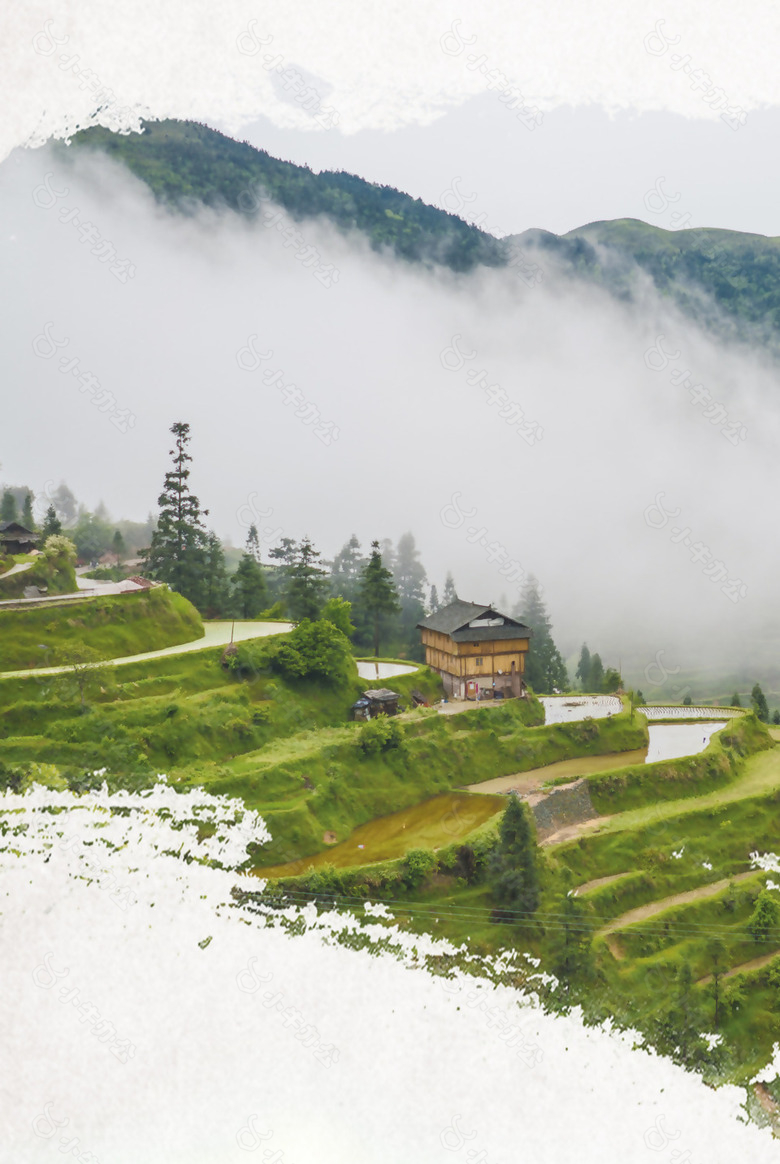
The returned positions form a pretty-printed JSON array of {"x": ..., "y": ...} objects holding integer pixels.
[{"x": 727, "y": 281}]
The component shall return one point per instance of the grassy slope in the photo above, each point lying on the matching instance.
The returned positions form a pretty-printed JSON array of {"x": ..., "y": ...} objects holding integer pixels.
[
  {"x": 114, "y": 626},
  {"x": 712, "y": 836},
  {"x": 286, "y": 748}
]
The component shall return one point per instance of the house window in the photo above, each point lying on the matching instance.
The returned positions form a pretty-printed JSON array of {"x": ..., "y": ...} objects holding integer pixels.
[{"x": 478, "y": 662}]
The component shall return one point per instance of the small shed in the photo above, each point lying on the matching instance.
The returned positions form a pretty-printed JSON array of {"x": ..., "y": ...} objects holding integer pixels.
[{"x": 382, "y": 701}]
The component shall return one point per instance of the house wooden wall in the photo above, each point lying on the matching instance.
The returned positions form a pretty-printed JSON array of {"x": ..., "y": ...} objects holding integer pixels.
[{"x": 471, "y": 660}]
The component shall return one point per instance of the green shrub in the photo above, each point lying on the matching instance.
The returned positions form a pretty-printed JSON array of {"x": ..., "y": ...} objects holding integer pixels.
[
  {"x": 315, "y": 650},
  {"x": 417, "y": 864},
  {"x": 379, "y": 735},
  {"x": 765, "y": 917}
]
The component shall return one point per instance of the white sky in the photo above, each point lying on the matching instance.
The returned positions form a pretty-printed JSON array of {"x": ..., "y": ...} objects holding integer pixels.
[{"x": 618, "y": 110}]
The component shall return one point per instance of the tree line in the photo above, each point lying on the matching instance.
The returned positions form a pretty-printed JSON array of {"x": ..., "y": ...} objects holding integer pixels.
[
  {"x": 92, "y": 533},
  {"x": 376, "y": 597}
]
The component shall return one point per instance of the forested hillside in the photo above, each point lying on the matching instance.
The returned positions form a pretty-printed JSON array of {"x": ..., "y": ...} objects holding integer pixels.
[
  {"x": 183, "y": 161},
  {"x": 727, "y": 281}
]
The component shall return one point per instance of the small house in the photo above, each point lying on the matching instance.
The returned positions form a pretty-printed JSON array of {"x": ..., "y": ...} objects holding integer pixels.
[
  {"x": 382, "y": 701},
  {"x": 479, "y": 652},
  {"x": 15, "y": 539},
  {"x": 377, "y": 701}
]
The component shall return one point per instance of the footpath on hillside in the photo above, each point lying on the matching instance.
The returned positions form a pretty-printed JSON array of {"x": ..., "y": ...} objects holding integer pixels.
[{"x": 217, "y": 634}]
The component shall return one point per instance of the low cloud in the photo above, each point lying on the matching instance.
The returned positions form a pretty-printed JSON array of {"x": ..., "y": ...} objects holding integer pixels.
[{"x": 514, "y": 420}]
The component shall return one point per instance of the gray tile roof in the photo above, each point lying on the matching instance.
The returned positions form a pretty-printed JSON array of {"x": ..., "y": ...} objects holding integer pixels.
[{"x": 453, "y": 620}]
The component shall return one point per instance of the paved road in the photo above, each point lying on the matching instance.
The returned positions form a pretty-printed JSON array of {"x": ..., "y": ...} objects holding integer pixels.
[{"x": 217, "y": 635}]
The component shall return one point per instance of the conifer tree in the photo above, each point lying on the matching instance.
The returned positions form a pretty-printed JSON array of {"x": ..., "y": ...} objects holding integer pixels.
[
  {"x": 216, "y": 587},
  {"x": 28, "y": 520},
  {"x": 250, "y": 589},
  {"x": 8, "y": 507},
  {"x": 178, "y": 553},
  {"x": 306, "y": 582},
  {"x": 433, "y": 601},
  {"x": 513, "y": 866},
  {"x": 65, "y": 504},
  {"x": 377, "y": 595},
  {"x": 449, "y": 594},
  {"x": 583, "y": 667},
  {"x": 545, "y": 669},
  {"x": 252, "y": 546},
  {"x": 409, "y": 575},
  {"x": 51, "y": 525},
  {"x": 759, "y": 703},
  {"x": 346, "y": 569},
  {"x": 596, "y": 673}
]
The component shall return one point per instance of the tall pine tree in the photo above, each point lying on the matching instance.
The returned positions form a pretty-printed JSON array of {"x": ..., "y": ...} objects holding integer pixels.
[
  {"x": 28, "y": 520},
  {"x": 378, "y": 598},
  {"x": 250, "y": 589},
  {"x": 217, "y": 595},
  {"x": 513, "y": 865},
  {"x": 179, "y": 550},
  {"x": 545, "y": 669},
  {"x": 306, "y": 583},
  {"x": 51, "y": 525},
  {"x": 409, "y": 575},
  {"x": 583, "y": 667},
  {"x": 346, "y": 569},
  {"x": 252, "y": 546},
  {"x": 449, "y": 594},
  {"x": 8, "y": 507}
]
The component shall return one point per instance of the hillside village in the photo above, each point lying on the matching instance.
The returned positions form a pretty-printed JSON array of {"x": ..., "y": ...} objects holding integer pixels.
[
  {"x": 571, "y": 822},
  {"x": 389, "y": 646}
]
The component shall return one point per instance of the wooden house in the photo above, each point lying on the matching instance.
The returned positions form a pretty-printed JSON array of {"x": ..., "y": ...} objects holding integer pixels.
[
  {"x": 478, "y": 651},
  {"x": 15, "y": 539}
]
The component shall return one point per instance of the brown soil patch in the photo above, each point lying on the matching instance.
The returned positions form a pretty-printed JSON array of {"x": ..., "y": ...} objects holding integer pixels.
[
  {"x": 753, "y": 964},
  {"x": 652, "y": 908},
  {"x": 615, "y": 948},
  {"x": 569, "y": 832},
  {"x": 597, "y": 882},
  {"x": 329, "y": 837}
]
